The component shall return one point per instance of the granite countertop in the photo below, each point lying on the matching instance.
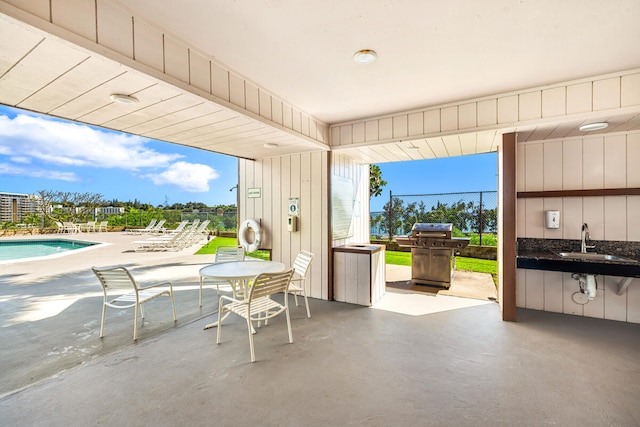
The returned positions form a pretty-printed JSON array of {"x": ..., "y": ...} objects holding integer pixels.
[{"x": 542, "y": 254}]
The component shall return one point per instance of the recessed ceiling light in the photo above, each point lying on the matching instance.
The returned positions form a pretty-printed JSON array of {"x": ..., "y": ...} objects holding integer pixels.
[
  {"x": 123, "y": 99},
  {"x": 593, "y": 126},
  {"x": 270, "y": 145},
  {"x": 364, "y": 57}
]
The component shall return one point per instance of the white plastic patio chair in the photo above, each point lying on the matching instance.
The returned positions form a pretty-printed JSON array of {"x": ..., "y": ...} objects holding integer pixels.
[
  {"x": 259, "y": 306},
  {"x": 224, "y": 254},
  {"x": 120, "y": 278},
  {"x": 298, "y": 285},
  {"x": 103, "y": 226}
]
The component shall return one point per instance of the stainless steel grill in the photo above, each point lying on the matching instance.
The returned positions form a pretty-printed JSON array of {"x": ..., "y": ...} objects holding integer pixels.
[{"x": 433, "y": 251}]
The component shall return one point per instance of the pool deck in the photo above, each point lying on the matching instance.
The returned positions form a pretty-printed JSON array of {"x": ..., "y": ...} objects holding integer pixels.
[{"x": 51, "y": 306}]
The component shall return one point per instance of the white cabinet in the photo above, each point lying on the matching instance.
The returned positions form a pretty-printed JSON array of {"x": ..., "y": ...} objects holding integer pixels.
[{"x": 359, "y": 273}]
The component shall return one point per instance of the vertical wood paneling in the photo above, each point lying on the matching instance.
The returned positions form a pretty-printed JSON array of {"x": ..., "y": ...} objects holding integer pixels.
[
  {"x": 615, "y": 218},
  {"x": 358, "y": 132},
  {"x": 363, "y": 296},
  {"x": 400, "y": 126},
  {"x": 276, "y": 110},
  {"x": 467, "y": 116},
  {"x": 534, "y": 289},
  {"x": 432, "y": 121},
  {"x": 554, "y": 102},
  {"x": 236, "y": 90},
  {"x": 115, "y": 28},
  {"x": 148, "y": 45},
  {"x": 339, "y": 276},
  {"x": 371, "y": 131},
  {"x": 571, "y": 217},
  {"x": 606, "y": 94},
  {"x": 449, "y": 118},
  {"x": 633, "y": 219},
  {"x": 295, "y": 192},
  {"x": 633, "y": 154},
  {"x": 220, "y": 81},
  {"x": 572, "y": 165},
  {"x": 487, "y": 112},
  {"x": 296, "y": 120},
  {"x": 521, "y": 288},
  {"x": 534, "y": 161},
  {"x": 285, "y": 186},
  {"x": 385, "y": 128},
  {"x": 579, "y": 98},
  {"x": 199, "y": 72},
  {"x": 633, "y": 301},
  {"x": 552, "y": 204},
  {"x": 615, "y": 306},
  {"x": 593, "y": 163},
  {"x": 615, "y": 161},
  {"x": 176, "y": 59},
  {"x": 553, "y": 292},
  {"x": 352, "y": 277},
  {"x": 534, "y": 224},
  {"x": 593, "y": 214},
  {"x": 79, "y": 17},
  {"x": 264, "y": 104},
  {"x": 530, "y": 105},
  {"x": 630, "y": 90},
  {"x": 251, "y": 97},
  {"x": 267, "y": 197},
  {"x": 552, "y": 166},
  {"x": 508, "y": 109},
  {"x": 416, "y": 123},
  {"x": 277, "y": 207}
]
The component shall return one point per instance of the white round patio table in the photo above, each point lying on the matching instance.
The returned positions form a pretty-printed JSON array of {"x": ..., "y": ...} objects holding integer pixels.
[{"x": 238, "y": 272}]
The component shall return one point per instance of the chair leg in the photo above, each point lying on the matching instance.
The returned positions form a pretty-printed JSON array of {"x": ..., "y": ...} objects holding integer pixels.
[
  {"x": 249, "y": 328},
  {"x": 173, "y": 306},
  {"x": 135, "y": 324},
  {"x": 104, "y": 314},
  {"x": 306, "y": 303},
  {"x": 286, "y": 312},
  {"x": 220, "y": 310}
]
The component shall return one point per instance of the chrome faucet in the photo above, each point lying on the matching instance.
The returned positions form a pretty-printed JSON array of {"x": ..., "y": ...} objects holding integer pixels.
[{"x": 584, "y": 238}]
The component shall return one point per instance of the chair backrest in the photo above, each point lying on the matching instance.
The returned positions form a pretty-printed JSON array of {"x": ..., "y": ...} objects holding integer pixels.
[
  {"x": 159, "y": 225},
  {"x": 114, "y": 278},
  {"x": 104, "y": 223},
  {"x": 266, "y": 284},
  {"x": 229, "y": 253},
  {"x": 203, "y": 225},
  {"x": 181, "y": 226},
  {"x": 151, "y": 224},
  {"x": 302, "y": 263}
]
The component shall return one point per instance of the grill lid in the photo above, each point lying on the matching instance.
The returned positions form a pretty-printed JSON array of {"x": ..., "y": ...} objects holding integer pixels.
[{"x": 431, "y": 226}]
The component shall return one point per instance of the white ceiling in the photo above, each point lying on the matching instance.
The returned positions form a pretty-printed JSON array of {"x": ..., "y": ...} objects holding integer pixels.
[{"x": 429, "y": 53}]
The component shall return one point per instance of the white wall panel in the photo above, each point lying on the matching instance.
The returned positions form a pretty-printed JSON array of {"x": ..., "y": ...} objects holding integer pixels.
[
  {"x": 554, "y": 102},
  {"x": 579, "y": 98},
  {"x": 77, "y": 16},
  {"x": 584, "y": 164},
  {"x": 302, "y": 176},
  {"x": 115, "y": 28},
  {"x": 606, "y": 94},
  {"x": 630, "y": 90}
]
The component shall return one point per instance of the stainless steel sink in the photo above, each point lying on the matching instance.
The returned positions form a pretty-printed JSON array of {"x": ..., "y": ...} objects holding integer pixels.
[{"x": 594, "y": 256}]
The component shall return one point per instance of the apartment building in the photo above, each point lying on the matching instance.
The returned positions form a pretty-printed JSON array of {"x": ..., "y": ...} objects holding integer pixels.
[{"x": 14, "y": 207}]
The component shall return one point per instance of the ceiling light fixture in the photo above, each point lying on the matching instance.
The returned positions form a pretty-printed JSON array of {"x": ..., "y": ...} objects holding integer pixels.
[
  {"x": 364, "y": 56},
  {"x": 270, "y": 145},
  {"x": 593, "y": 126},
  {"x": 123, "y": 99}
]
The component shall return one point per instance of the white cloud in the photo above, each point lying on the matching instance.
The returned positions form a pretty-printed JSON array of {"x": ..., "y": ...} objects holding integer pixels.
[
  {"x": 70, "y": 144},
  {"x": 189, "y": 177},
  {"x": 7, "y": 169}
]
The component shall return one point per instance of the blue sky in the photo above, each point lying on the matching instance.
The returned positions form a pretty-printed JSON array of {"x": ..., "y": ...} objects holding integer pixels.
[
  {"x": 39, "y": 152},
  {"x": 478, "y": 172},
  {"x": 43, "y": 153}
]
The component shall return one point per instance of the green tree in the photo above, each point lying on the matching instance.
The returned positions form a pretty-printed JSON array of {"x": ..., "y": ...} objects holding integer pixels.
[
  {"x": 393, "y": 215},
  {"x": 375, "y": 181}
]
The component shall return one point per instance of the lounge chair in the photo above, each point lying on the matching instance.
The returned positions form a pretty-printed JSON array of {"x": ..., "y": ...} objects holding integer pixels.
[
  {"x": 120, "y": 277},
  {"x": 173, "y": 242},
  {"x": 156, "y": 229},
  {"x": 142, "y": 230}
]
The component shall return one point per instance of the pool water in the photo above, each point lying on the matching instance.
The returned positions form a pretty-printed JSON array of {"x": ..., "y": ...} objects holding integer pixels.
[{"x": 21, "y": 249}]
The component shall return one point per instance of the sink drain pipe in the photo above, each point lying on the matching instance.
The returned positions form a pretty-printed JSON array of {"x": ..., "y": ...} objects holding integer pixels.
[{"x": 588, "y": 288}]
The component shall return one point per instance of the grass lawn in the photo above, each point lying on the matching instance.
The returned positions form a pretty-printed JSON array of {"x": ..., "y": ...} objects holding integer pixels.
[
  {"x": 392, "y": 257},
  {"x": 212, "y": 245},
  {"x": 466, "y": 264}
]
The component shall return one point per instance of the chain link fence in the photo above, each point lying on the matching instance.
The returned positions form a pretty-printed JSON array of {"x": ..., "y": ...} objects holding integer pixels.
[{"x": 473, "y": 214}]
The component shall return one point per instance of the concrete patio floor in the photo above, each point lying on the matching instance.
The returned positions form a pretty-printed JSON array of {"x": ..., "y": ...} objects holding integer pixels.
[{"x": 417, "y": 365}]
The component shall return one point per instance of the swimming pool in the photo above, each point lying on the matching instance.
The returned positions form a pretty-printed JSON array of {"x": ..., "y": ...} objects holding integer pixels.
[{"x": 15, "y": 250}]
